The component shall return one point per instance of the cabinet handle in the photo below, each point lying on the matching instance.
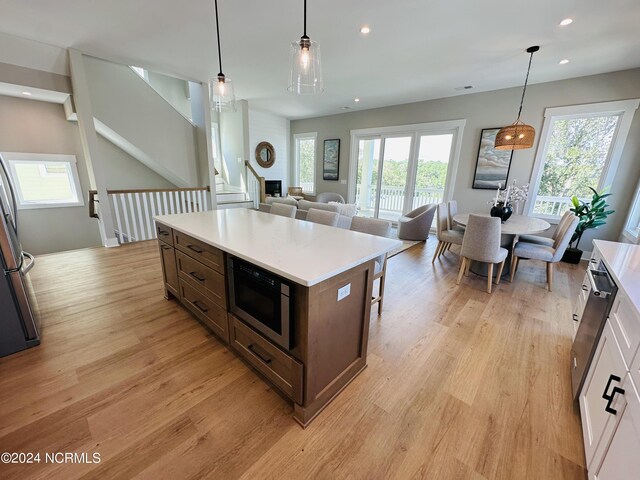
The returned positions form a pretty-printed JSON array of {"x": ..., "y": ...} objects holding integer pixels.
[
  {"x": 163, "y": 233},
  {"x": 191, "y": 247},
  {"x": 610, "y": 397},
  {"x": 585, "y": 288},
  {"x": 197, "y": 277},
  {"x": 575, "y": 317},
  {"x": 265, "y": 360},
  {"x": 165, "y": 247},
  {"x": 201, "y": 308}
]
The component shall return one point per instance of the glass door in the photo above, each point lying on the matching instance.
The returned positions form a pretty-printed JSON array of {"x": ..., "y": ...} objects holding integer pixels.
[
  {"x": 394, "y": 178},
  {"x": 431, "y": 169},
  {"x": 367, "y": 176}
]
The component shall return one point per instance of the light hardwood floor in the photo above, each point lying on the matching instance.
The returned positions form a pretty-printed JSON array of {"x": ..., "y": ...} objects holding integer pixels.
[{"x": 460, "y": 384}]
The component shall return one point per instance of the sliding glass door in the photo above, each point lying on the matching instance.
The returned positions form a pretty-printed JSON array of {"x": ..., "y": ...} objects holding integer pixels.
[{"x": 397, "y": 172}]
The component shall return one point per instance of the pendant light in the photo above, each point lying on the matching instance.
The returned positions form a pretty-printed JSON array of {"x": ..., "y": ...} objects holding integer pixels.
[
  {"x": 306, "y": 72},
  {"x": 518, "y": 135},
  {"x": 221, "y": 88}
]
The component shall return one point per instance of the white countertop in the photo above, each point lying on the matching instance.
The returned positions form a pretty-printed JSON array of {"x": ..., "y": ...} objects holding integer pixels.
[
  {"x": 303, "y": 252},
  {"x": 623, "y": 263}
]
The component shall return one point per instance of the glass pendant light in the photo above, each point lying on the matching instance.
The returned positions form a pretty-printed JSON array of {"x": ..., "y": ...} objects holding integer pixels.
[
  {"x": 221, "y": 93},
  {"x": 518, "y": 135},
  {"x": 306, "y": 71}
]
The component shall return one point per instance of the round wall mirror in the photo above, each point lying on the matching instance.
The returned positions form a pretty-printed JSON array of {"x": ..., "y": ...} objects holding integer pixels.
[{"x": 265, "y": 154}]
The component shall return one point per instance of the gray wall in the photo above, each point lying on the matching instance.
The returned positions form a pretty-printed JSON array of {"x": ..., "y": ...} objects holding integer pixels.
[
  {"x": 494, "y": 109},
  {"x": 38, "y": 127}
]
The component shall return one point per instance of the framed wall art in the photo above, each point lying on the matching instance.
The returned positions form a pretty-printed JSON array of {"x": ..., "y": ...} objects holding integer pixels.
[
  {"x": 492, "y": 166},
  {"x": 331, "y": 160}
]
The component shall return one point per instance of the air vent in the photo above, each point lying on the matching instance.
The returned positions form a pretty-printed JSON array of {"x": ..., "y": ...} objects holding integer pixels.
[{"x": 466, "y": 87}]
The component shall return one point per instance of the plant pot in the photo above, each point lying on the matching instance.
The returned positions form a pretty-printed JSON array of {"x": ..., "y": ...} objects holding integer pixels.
[
  {"x": 502, "y": 211},
  {"x": 572, "y": 255}
]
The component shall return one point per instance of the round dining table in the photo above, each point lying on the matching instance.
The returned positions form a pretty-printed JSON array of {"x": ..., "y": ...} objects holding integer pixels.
[{"x": 516, "y": 225}]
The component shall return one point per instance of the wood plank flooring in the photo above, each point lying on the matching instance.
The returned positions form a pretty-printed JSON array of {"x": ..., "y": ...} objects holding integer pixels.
[{"x": 460, "y": 384}]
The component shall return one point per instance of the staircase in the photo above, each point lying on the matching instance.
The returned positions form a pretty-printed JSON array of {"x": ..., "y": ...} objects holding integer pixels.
[{"x": 228, "y": 196}]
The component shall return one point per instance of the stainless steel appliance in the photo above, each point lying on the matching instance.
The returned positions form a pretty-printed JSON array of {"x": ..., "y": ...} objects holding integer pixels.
[
  {"x": 19, "y": 327},
  {"x": 261, "y": 299},
  {"x": 602, "y": 291}
]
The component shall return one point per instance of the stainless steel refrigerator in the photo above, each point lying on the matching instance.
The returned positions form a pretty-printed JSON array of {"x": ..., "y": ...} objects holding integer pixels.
[{"x": 19, "y": 326}]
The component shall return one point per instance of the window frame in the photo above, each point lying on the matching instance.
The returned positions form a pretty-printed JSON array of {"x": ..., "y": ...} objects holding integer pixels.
[
  {"x": 296, "y": 158},
  {"x": 624, "y": 108},
  {"x": 631, "y": 230},
  {"x": 20, "y": 157}
]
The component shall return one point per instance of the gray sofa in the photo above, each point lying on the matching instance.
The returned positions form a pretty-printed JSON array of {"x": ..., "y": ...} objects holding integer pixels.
[{"x": 344, "y": 221}]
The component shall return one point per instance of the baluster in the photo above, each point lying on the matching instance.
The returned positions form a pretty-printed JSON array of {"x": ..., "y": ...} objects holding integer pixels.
[
  {"x": 133, "y": 217},
  {"x": 146, "y": 216},
  {"x": 154, "y": 233},
  {"x": 114, "y": 200},
  {"x": 125, "y": 213}
]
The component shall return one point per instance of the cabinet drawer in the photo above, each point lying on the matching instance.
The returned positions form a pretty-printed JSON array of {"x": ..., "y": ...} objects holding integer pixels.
[
  {"x": 284, "y": 371},
  {"x": 594, "y": 261},
  {"x": 203, "y": 278},
  {"x": 169, "y": 270},
  {"x": 164, "y": 233},
  {"x": 211, "y": 256},
  {"x": 626, "y": 326},
  {"x": 211, "y": 314}
]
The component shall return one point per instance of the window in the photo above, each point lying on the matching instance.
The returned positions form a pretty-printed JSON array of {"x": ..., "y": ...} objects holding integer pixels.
[
  {"x": 304, "y": 165},
  {"x": 632, "y": 226},
  {"x": 580, "y": 147},
  {"x": 44, "y": 181}
]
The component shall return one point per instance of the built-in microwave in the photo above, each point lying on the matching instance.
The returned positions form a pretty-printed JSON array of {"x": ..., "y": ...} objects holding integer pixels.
[{"x": 261, "y": 299}]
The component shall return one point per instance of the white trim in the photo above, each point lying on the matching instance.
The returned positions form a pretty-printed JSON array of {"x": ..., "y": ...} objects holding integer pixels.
[
  {"x": 416, "y": 130},
  {"x": 624, "y": 108},
  {"x": 633, "y": 216},
  {"x": 296, "y": 157},
  {"x": 44, "y": 158}
]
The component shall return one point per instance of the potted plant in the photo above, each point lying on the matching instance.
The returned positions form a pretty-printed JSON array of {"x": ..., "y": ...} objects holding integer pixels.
[{"x": 592, "y": 215}]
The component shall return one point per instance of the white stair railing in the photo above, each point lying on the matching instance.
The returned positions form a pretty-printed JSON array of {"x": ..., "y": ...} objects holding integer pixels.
[{"x": 133, "y": 210}]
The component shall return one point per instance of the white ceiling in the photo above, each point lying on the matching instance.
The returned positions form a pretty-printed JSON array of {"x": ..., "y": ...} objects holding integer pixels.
[{"x": 417, "y": 49}]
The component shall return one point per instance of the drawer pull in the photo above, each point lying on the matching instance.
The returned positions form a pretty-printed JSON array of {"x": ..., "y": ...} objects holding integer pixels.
[
  {"x": 265, "y": 360},
  {"x": 163, "y": 233},
  {"x": 191, "y": 247},
  {"x": 609, "y": 398},
  {"x": 199, "y": 306},
  {"x": 165, "y": 247},
  {"x": 575, "y": 317},
  {"x": 585, "y": 288},
  {"x": 197, "y": 277}
]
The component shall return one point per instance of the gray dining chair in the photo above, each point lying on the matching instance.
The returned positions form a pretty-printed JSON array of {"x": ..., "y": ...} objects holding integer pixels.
[
  {"x": 446, "y": 237},
  {"x": 283, "y": 210},
  {"x": 548, "y": 241},
  {"x": 452, "y": 211},
  {"x": 482, "y": 244},
  {"x": 322, "y": 217},
  {"x": 380, "y": 228},
  {"x": 549, "y": 254}
]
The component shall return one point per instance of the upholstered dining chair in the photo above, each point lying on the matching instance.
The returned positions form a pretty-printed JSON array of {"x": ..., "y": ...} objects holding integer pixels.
[
  {"x": 452, "y": 211},
  {"x": 550, "y": 254},
  {"x": 283, "y": 210},
  {"x": 482, "y": 244},
  {"x": 323, "y": 217},
  {"x": 380, "y": 228},
  {"x": 416, "y": 224},
  {"x": 446, "y": 237},
  {"x": 548, "y": 241},
  {"x": 326, "y": 197}
]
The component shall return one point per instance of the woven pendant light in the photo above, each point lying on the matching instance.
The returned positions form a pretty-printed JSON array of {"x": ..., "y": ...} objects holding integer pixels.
[{"x": 518, "y": 135}]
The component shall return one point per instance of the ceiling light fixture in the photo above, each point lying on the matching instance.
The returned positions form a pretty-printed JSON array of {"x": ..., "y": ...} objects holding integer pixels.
[
  {"x": 566, "y": 21},
  {"x": 306, "y": 71},
  {"x": 518, "y": 135},
  {"x": 356, "y": 99},
  {"x": 564, "y": 61},
  {"x": 365, "y": 29},
  {"x": 28, "y": 94},
  {"x": 222, "y": 97}
]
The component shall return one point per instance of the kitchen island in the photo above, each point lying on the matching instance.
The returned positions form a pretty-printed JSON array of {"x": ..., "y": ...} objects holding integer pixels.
[{"x": 320, "y": 346}]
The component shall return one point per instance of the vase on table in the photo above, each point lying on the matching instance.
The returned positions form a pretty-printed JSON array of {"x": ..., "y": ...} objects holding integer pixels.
[{"x": 502, "y": 211}]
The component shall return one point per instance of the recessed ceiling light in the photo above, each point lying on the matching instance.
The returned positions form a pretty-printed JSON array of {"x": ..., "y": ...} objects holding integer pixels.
[
  {"x": 28, "y": 94},
  {"x": 356, "y": 99},
  {"x": 365, "y": 29},
  {"x": 564, "y": 61},
  {"x": 566, "y": 21}
]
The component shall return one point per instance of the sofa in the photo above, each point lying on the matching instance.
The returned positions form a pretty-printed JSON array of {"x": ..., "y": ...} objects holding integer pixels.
[{"x": 346, "y": 212}]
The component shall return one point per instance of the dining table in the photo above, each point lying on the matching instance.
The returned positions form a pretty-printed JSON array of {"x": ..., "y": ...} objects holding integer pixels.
[{"x": 511, "y": 229}]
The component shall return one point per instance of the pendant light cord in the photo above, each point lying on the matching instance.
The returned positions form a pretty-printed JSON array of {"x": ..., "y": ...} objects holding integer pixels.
[
  {"x": 218, "y": 34},
  {"x": 524, "y": 89},
  {"x": 305, "y": 18}
]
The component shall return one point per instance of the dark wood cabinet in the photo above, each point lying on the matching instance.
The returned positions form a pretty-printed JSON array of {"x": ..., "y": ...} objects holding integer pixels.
[{"x": 169, "y": 267}]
